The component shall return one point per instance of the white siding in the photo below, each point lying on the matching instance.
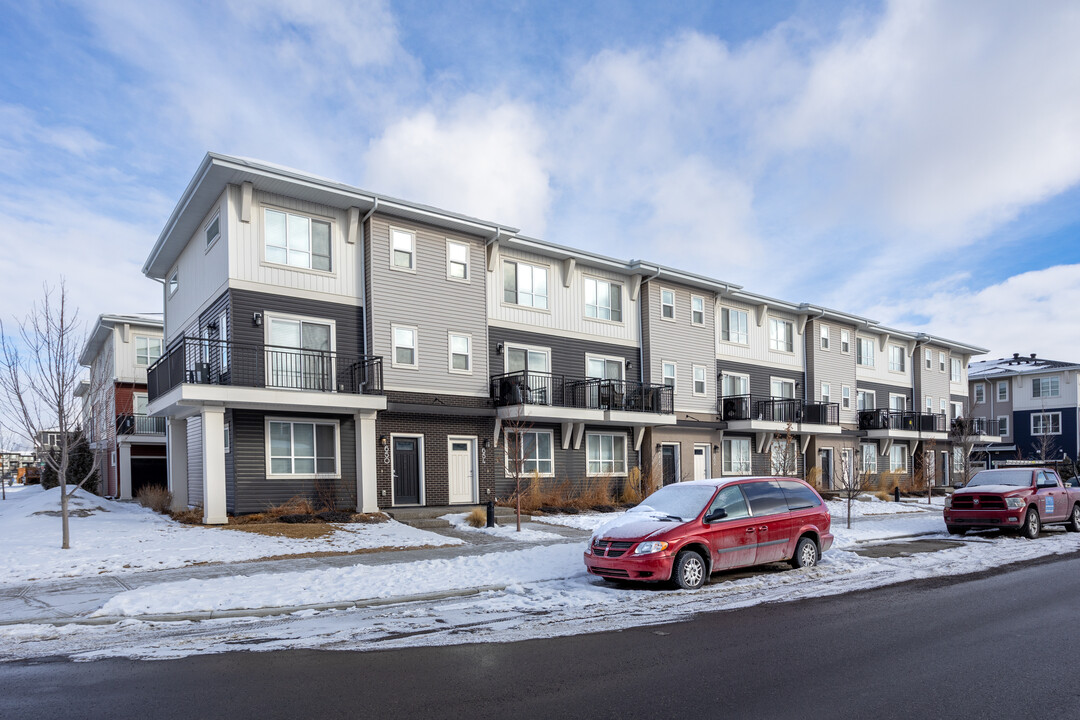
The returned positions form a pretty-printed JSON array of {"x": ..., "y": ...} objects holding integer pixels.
[
  {"x": 880, "y": 373},
  {"x": 203, "y": 275},
  {"x": 758, "y": 348},
  {"x": 1021, "y": 391},
  {"x": 125, "y": 352}
]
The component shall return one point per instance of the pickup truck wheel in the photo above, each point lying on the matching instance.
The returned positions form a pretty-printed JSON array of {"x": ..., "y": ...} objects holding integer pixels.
[
  {"x": 1032, "y": 525},
  {"x": 806, "y": 553},
  {"x": 1074, "y": 520},
  {"x": 956, "y": 529},
  {"x": 689, "y": 571}
]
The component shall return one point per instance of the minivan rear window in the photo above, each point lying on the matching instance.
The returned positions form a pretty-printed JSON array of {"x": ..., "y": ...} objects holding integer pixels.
[
  {"x": 766, "y": 498},
  {"x": 799, "y": 497}
]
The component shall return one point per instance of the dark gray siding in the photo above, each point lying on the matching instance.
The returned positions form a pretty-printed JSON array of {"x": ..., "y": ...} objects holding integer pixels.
[
  {"x": 760, "y": 377},
  {"x": 567, "y": 354},
  {"x": 254, "y": 492},
  {"x": 882, "y": 392},
  {"x": 348, "y": 319}
]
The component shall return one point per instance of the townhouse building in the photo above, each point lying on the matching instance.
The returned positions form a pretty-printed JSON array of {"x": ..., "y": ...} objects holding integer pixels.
[
  {"x": 130, "y": 443},
  {"x": 320, "y": 338},
  {"x": 1030, "y": 405}
]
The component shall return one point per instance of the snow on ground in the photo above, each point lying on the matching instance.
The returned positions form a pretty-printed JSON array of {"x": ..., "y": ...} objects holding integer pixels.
[
  {"x": 121, "y": 537},
  {"x": 508, "y": 532},
  {"x": 582, "y": 521}
]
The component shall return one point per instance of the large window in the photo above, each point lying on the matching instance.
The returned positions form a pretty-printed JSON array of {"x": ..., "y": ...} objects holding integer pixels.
[
  {"x": 898, "y": 458},
  {"x": 736, "y": 456},
  {"x": 302, "y": 448},
  {"x": 405, "y": 354},
  {"x": 1046, "y": 423},
  {"x": 533, "y": 450},
  {"x": 734, "y": 325},
  {"x": 603, "y": 300},
  {"x": 299, "y": 354},
  {"x": 296, "y": 240},
  {"x": 868, "y": 458},
  {"x": 460, "y": 353},
  {"x": 606, "y": 454},
  {"x": 667, "y": 304},
  {"x": 781, "y": 335},
  {"x": 147, "y": 350},
  {"x": 457, "y": 260},
  {"x": 864, "y": 352},
  {"x": 736, "y": 385},
  {"x": 784, "y": 457},
  {"x": 957, "y": 374},
  {"x": 1044, "y": 387},
  {"x": 781, "y": 388},
  {"x": 897, "y": 357},
  {"x": 525, "y": 284},
  {"x": 867, "y": 400}
]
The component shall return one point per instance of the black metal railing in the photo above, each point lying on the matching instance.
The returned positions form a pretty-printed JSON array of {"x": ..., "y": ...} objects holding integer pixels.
[
  {"x": 222, "y": 362},
  {"x": 525, "y": 387},
  {"x": 774, "y": 409},
  {"x": 974, "y": 426},
  {"x": 138, "y": 424},
  {"x": 882, "y": 419}
]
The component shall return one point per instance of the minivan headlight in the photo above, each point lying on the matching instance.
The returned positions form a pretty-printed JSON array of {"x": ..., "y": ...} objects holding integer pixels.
[
  {"x": 1014, "y": 503},
  {"x": 650, "y": 547}
]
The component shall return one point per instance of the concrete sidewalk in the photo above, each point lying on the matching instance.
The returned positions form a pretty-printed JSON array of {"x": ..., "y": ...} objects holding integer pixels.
[{"x": 73, "y": 600}]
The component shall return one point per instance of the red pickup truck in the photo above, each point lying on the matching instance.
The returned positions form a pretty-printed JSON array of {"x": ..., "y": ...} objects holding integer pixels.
[{"x": 1023, "y": 499}]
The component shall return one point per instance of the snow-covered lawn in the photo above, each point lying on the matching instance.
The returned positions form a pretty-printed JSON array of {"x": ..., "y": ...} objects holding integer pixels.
[
  {"x": 119, "y": 537},
  {"x": 508, "y": 532},
  {"x": 582, "y": 521}
]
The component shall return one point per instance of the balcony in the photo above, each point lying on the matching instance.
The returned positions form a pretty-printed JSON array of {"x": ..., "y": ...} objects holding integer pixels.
[
  {"x": 902, "y": 420},
  {"x": 136, "y": 424},
  {"x": 198, "y": 371},
  {"x": 976, "y": 429},
  {"x": 773, "y": 414},
  {"x": 544, "y": 396}
]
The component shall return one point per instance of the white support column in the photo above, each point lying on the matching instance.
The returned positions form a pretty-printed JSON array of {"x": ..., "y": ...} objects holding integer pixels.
[
  {"x": 213, "y": 442},
  {"x": 367, "y": 493},
  {"x": 123, "y": 465},
  {"x": 176, "y": 444}
]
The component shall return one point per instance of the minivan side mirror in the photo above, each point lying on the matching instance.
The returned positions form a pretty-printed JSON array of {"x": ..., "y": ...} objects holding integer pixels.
[{"x": 714, "y": 515}]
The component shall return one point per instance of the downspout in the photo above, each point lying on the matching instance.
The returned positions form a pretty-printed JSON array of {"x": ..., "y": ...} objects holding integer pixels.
[
  {"x": 364, "y": 259},
  {"x": 641, "y": 353}
]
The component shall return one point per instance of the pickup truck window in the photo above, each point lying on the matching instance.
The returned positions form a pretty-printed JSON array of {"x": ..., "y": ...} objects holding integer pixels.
[
  {"x": 1019, "y": 478},
  {"x": 1046, "y": 480}
]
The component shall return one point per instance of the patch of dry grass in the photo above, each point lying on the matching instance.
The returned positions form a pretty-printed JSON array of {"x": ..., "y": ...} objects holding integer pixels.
[
  {"x": 295, "y": 531},
  {"x": 156, "y": 498},
  {"x": 477, "y": 518},
  {"x": 190, "y": 516}
]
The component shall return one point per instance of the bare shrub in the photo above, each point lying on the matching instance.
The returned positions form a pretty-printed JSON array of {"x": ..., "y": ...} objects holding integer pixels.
[
  {"x": 477, "y": 518},
  {"x": 813, "y": 476},
  {"x": 631, "y": 489},
  {"x": 325, "y": 494},
  {"x": 190, "y": 516},
  {"x": 595, "y": 493},
  {"x": 298, "y": 505},
  {"x": 156, "y": 498}
]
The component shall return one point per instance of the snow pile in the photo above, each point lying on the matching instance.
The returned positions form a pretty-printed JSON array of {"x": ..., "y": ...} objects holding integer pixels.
[
  {"x": 871, "y": 506},
  {"x": 360, "y": 582},
  {"x": 502, "y": 531},
  {"x": 582, "y": 521},
  {"x": 117, "y": 537}
]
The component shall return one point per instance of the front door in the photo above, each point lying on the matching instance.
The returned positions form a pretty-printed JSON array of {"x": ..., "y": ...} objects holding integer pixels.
[
  {"x": 669, "y": 458},
  {"x": 701, "y": 462},
  {"x": 406, "y": 471},
  {"x": 462, "y": 478},
  {"x": 945, "y": 480},
  {"x": 825, "y": 459}
]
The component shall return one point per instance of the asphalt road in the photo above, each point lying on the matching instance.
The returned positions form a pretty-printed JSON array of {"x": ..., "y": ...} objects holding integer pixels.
[{"x": 1005, "y": 644}]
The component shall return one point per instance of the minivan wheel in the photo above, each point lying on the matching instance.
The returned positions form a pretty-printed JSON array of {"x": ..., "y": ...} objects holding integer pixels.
[
  {"x": 689, "y": 570},
  {"x": 806, "y": 553},
  {"x": 1074, "y": 520},
  {"x": 1032, "y": 525}
]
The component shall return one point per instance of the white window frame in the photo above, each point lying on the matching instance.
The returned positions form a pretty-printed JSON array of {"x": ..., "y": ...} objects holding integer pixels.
[
  {"x": 929, "y": 400},
  {"x": 979, "y": 391},
  {"x": 824, "y": 337},
  {"x": 546, "y": 269},
  {"x": 893, "y": 396},
  {"x": 928, "y": 356},
  {"x": 268, "y": 320},
  {"x": 740, "y": 336},
  {"x": 174, "y": 282},
  {"x": 694, "y": 311},
  {"x": 902, "y": 354},
  {"x": 1054, "y": 381},
  {"x": 742, "y": 376},
  {"x": 112, "y": 458},
  {"x": 545, "y": 351},
  {"x": 826, "y": 392},
  {"x": 210, "y": 241},
  {"x": 704, "y": 380},
  {"x": 943, "y": 406},
  {"x": 845, "y": 341},
  {"x": 957, "y": 409},
  {"x": 416, "y": 347},
  {"x": 860, "y": 346},
  {"x": 149, "y": 339},
  {"x": 786, "y": 446},
  {"x": 1002, "y": 385},
  {"x": 868, "y": 458},
  {"x": 782, "y": 381},
  {"x": 1044, "y": 419},
  {"x": 956, "y": 370},
  {"x": 775, "y": 342},
  {"x": 866, "y": 395},
  {"x": 1006, "y": 419},
  {"x": 727, "y": 464},
  {"x": 411, "y": 234},
  {"x": 665, "y": 305},
  {"x": 904, "y": 456},
  {"x": 311, "y": 218},
  {"x": 450, "y": 335},
  {"x": 450, "y": 263},
  {"x": 674, "y": 376},
  {"x": 606, "y": 358},
  {"x": 845, "y": 397},
  {"x": 614, "y": 461},
  {"x": 941, "y": 362},
  {"x": 614, "y": 288},
  {"x": 270, "y": 475},
  {"x": 228, "y": 439},
  {"x": 507, "y": 459}
]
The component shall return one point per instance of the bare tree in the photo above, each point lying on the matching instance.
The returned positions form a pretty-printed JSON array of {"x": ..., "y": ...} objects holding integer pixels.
[
  {"x": 784, "y": 458},
  {"x": 518, "y": 445},
  {"x": 850, "y": 479},
  {"x": 39, "y": 372},
  {"x": 963, "y": 437}
]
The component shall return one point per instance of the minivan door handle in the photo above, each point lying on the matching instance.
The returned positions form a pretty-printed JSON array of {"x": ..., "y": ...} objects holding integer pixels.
[
  {"x": 749, "y": 529},
  {"x": 763, "y": 528}
]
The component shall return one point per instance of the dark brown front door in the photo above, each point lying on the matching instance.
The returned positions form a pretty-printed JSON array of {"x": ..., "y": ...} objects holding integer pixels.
[
  {"x": 406, "y": 471},
  {"x": 670, "y": 461}
]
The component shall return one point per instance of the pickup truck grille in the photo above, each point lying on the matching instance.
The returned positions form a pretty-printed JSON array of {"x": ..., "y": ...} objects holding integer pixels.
[
  {"x": 610, "y": 548},
  {"x": 978, "y": 502}
]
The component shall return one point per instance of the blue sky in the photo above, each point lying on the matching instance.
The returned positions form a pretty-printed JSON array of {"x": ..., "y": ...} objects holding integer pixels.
[{"x": 916, "y": 162}]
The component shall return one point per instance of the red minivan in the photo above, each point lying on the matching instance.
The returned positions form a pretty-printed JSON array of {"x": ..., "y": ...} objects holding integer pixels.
[{"x": 686, "y": 531}]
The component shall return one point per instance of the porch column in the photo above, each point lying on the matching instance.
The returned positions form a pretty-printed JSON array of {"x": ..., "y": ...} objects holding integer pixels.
[
  {"x": 367, "y": 494},
  {"x": 123, "y": 466},
  {"x": 213, "y": 444},
  {"x": 176, "y": 450}
]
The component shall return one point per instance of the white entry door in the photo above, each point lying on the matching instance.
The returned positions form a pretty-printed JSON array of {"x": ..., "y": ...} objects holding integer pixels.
[
  {"x": 462, "y": 476},
  {"x": 701, "y": 462}
]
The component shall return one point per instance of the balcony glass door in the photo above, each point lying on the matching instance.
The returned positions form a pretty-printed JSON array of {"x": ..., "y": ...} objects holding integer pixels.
[
  {"x": 309, "y": 366},
  {"x": 605, "y": 394},
  {"x": 535, "y": 384}
]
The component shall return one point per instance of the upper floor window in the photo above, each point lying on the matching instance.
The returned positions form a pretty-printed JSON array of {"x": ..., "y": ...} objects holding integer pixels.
[
  {"x": 941, "y": 361},
  {"x": 460, "y": 353},
  {"x": 404, "y": 347},
  {"x": 297, "y": 240},
  {"x": 896, "y": 358},
  {"x": 845, "y": 341},
  {"x": 697, "y": 310},
  {"x": 699, "y": 380},
  {"x": 929, "y": 359},
  {"x": 957, "y": 410},
  {"x": 736, "y": 385},
  {"x": 525, "y": 284},
  {"x": 213, "y": 230},
  {"x": 1044, "y": 387},
  {"x": 957, "y": 374},
  {"x": 667, "y": 304},
  {"x": 824, "y": 337},
  {"x": 668, "y": 371},
  {"x": 174, "y": 283},
  {"x": 980, "y": 393},
  {"x": 781, "y": 335},
  {"x": 603, "y": 300},
  {"x": 147, "y": 350},
  {"x": 457, "y": 260},
  {"x": 826, "y": 392},
  {"x": 734, "y": 325},
  {"x": 864, "y": 354},
  {"x": 845, "y": 397},
  {"x": 402, "y": 249},
  {"x": 867, "y": 400},
  {"x": 1003, "y": 390},
  {"x": 1003, "y": 425}
]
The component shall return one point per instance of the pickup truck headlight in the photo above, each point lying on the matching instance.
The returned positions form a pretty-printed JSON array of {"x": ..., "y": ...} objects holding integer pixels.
[
  {"x": 948, "y": 502},
  {"x": 650, "y": 547},
  {"x": 1014, "y": 503}
]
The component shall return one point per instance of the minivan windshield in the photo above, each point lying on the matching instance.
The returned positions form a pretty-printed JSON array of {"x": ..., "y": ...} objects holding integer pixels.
[
  {"x": 678, "y": 501},
  {"x": 1019, "y": 478}
]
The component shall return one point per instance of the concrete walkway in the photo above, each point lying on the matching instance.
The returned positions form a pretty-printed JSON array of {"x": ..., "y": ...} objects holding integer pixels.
[{"x": 74, "y": 599}]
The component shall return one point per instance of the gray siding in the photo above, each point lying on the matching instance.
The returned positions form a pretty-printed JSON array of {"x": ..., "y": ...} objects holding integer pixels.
[
  {"x": 831, "y": 366},
  {"x": 567, "y": 353},
  {"x": 932, "y": 381},
  {"x": 435, "y": 305},
  {"x": 882, "y": 392},
  {"x": 348, "y": 319},
  {"x": 195, "y": 463},
  {"x": 681, "y": 342},
  {"x": 760, "y": 377}
]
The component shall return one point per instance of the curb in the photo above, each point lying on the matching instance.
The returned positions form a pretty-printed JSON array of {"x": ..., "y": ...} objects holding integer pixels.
[
  {"x": 897, "y": 537},
  {"x": 256, "y": 612}
]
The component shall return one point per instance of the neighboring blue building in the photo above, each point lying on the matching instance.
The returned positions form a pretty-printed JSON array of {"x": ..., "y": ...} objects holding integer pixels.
[{"x": 1032, "y": 403}]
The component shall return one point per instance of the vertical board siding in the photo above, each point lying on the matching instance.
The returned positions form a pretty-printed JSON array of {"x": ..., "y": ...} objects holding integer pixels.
[
  {"x": 567, "y": 353},
  {"x": 195, "y": 461},
  {"x": 432, "y": 303},
  {"x": 831, "y": 366},
  {"x": 683, "y": 343}
]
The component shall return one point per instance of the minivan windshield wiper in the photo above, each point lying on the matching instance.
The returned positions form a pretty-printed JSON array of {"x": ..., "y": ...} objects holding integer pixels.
[{"x": 676, "y": 518}]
